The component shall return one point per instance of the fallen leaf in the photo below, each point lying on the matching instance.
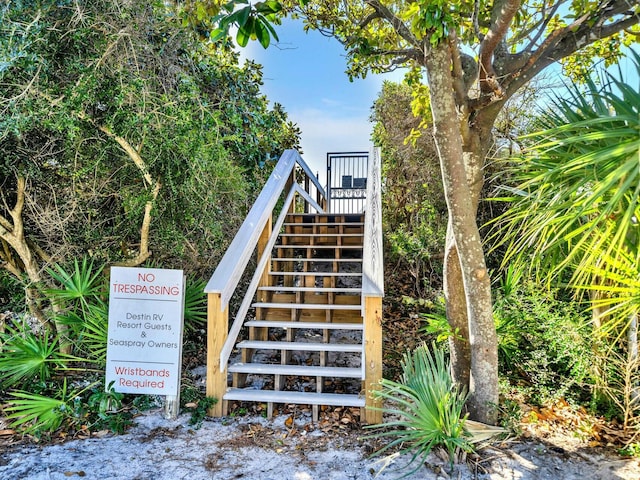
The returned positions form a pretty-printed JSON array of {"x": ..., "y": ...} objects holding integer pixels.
[{"x": 289, "y": 422}]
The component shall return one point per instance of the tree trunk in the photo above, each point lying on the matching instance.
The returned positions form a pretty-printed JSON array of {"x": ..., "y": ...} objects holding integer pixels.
[
  {"x": 475, "y": 146},
  {"x": 483, "y": 380},
  {"x": 456, "y": 313}
]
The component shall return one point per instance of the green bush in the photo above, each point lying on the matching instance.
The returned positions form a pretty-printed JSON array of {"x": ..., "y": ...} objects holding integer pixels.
[{"x": 544, "y": 343}]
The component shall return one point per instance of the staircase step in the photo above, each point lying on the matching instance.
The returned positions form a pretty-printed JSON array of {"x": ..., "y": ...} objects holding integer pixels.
[
  {"x": 299, "y": 370},
  {"x": 302, "y": 346},
  {"x": 342, "y": 260},
  {"x": 318, "y": 247},
  {"x": 304, "y": 325},
  {"x": 324, "y": 224},
  {"x": 300, "y": 398},
  {"x": 307, "y": 306},
  {"x": 319, "y": 274},
  {"x": 331, "y": 235},
  {"x": 312, "y": 289}
]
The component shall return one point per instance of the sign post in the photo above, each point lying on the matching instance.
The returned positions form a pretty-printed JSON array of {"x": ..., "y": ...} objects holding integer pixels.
[{"x": 144, "y": 348}]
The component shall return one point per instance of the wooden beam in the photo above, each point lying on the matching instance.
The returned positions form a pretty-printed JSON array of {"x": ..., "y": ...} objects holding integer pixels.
[
  {"x": 373, "y": 359},
  {"x": 217, "y": 331}
]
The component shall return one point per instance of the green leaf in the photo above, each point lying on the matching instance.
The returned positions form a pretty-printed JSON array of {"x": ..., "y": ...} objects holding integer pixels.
[
  {"x": 269, "y": 7},
  {"x": 35, "y": 413},
  {"x": 262, "y": 32},
  {"x": 242, "y": 37},
  {"x": 26, "y": 356}
]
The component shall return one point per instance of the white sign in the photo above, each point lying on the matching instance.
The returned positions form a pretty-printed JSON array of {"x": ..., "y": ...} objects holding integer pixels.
[{"x": 146, "y": 310}]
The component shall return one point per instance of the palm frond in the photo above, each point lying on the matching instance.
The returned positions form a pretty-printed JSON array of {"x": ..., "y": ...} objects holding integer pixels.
[
  {"x": 26, "y": 356},
  {"x": 578, "y": 187},
  {"x": 427, "y": 408},
  {"x": 33, "y": 413}
]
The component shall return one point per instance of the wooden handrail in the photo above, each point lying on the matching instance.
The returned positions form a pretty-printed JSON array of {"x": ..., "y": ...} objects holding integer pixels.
[
  {"x": 372, "y": 267},
  {"x": 234, "y": 262},
  {"x": 262, "y": 262}
]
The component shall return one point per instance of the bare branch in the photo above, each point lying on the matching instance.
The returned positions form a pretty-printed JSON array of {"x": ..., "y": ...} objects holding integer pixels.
[
  {"x": 542, "y": 27},
  {"x": 7, "y": 262},
  {"x": 368, "y": 19},
  {"x": 143, "y": 251},
  {"x": 457, "y": 72},
  {"x": 131, "y": 152},
  {"x": 504, "y": 13},
  {"x": 475, "y": 20},
  {"x": 16, "y": 212}
]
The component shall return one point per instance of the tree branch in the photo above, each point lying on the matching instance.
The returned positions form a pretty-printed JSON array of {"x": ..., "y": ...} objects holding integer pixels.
[
  {"x": 397, "y": 24},
  {"x": 503, "y": 14},
  {"x": 457, "y": 72},
  {"x": 131, "y": 152},
  {"x": 567, "y": 41},
  {"x": 143, "y": 251},
  {"x": 542, "y": 28},
  {"x": 475, "y": 20},
  {"x": 17, "y": 229}
]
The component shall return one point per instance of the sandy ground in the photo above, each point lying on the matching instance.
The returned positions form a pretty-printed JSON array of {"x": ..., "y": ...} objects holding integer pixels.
[{"x": 254, "y": 448}]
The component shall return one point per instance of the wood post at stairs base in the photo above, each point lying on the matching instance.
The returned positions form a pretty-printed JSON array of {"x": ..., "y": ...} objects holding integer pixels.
[
  {"x": 373, "y": 358},
  {"x": 217, "y": 332}
]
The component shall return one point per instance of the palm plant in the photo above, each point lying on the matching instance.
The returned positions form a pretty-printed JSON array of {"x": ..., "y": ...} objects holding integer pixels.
[
  {"x": 195, "y": 304},
  {"x": 35, "y": 413},
  {"x": 26, "y": 356},
  {"x": 80, "y": 288},
  {"x": 577, "y": 199},
  {"x": 427, "y": 408}
]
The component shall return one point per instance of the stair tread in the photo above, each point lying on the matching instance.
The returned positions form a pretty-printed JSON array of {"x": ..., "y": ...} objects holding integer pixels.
[
  {"x": 343, "y": 260},
  {"x": 320, "y": 274},
  {"x": 301, "y": 398},
  {"x": 311, "y": 289},
  {"x": 307, "y": 306},
  {"x": 320, "y": 234},
  {"x": 300, "y": 245},
  {"x": 323, "y": 224},
  {"x": 302, "y": 346},
  {"x": 302, "y": 325},
  {"x": 299, "y": 370}
]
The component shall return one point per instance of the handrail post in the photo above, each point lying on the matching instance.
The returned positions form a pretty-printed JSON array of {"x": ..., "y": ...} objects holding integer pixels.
[
  {"x": 217, "y": 331},
  {"x": 373, "y": 292},
  {"x": 373, "y": 357},
  {"x": 290, "y": 181}
]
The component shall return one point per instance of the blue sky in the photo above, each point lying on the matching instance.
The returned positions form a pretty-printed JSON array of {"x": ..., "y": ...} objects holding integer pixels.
[{"x": 305, "y": 73}]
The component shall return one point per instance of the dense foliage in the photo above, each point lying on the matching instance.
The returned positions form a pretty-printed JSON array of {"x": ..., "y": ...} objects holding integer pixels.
[
  {"x": 125, "y": 138},
  {"x": 414, "y": 210}
]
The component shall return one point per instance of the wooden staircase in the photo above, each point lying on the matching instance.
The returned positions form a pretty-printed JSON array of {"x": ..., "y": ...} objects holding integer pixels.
[
  {"x": 308, "y": 323},
  {"x": 316, "y": 336}
]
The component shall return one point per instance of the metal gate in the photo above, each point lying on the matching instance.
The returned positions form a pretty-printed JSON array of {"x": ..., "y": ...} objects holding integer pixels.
[{"x": 347, "y": 181}]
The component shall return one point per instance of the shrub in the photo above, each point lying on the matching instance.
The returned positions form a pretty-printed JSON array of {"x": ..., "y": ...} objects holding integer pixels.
[
  {"x": 544, "y": 343},
  {"x": 426, "y": 408}
]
